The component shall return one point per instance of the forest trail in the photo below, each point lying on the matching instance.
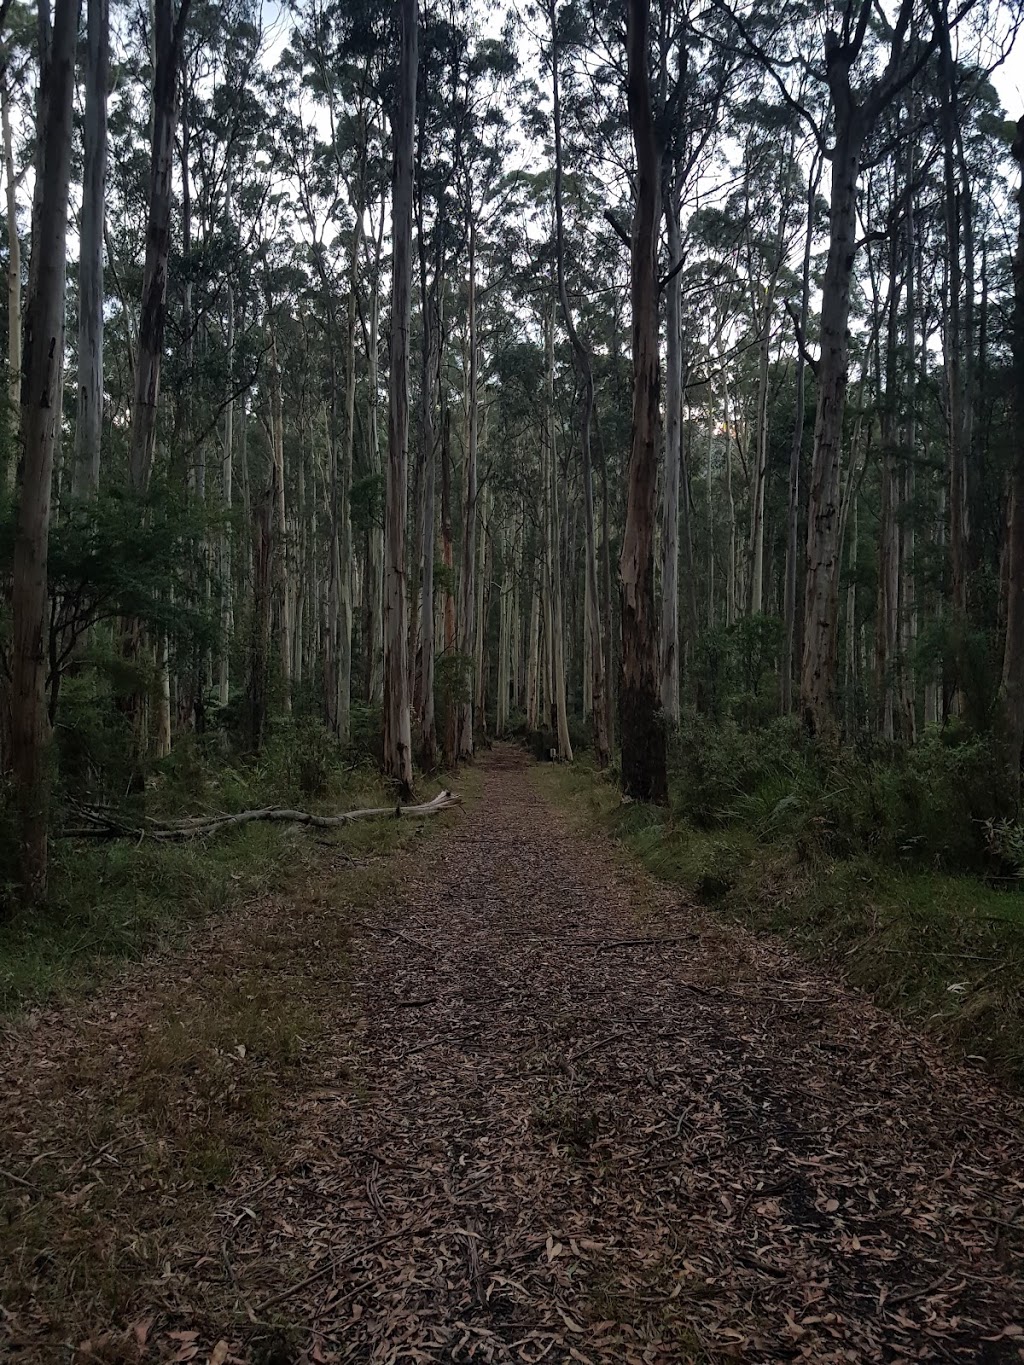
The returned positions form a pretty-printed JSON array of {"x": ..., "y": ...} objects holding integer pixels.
[{"x": 536, "y": 1134}]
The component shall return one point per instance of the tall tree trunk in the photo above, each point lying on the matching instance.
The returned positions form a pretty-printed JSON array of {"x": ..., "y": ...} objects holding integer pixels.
[
  {"x": 644, "y": 758},
  {"x": 428, "y": 377},
  {"x": 482, "y": 603},
  {"x": 818, "y": 670},
  {"x": 168, "y": 34},
  {"x": 14, "y": 361},
  {"x": 332, "y": 605},
  {"x": 258, "y": 683},
  {"x": 89, "y": 425},
  {"x": 673, "y": 462},
  {"x": 756, "y": 599},
  {"x": 709, "y": 504},
  {"x": 730, "y": 500},
  {"x": 162, "y": 734},
  {"x": 887, "y": 614},
  {"x": 852, "y": 623},
  {"x": 609, "y": 644},
  {"x": 282, "y": 540},
  {"x": 556, "y": 636},
  {"x": 908, "y": 589},
  {"x": 1012, "y": 692},
  {"x": 343, "y": 501},
  {"x": 375, "y": 568},
  {"x": 44, "y": 348},
  {"x": 467, "y": 587},
  {"x": 795, "y": 450},
  {"x": 957, "y": 338},
  {"x": 449, "y": 633},
  {"x": 505, "y": 631},
  {"x": 397, "y": 726},
  {"x": 592, "y": 633},
  {"x": 533, "y": 715},
  {"x": 226, "y": 474}
]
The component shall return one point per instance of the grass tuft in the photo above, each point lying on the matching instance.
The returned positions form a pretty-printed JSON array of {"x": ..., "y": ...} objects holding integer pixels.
[{"x": 933, "y": 943}]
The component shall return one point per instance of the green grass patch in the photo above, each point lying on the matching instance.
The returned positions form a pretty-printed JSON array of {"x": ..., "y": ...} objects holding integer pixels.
[
  {"x": 113, "y": 901},
  {"x": 116, "y": 900},
  {"x": 183, "y": 1093},
  {"x": 941, "y": 947}
]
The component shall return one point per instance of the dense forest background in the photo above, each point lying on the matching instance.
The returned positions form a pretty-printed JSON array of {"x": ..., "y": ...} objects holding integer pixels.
[{"x": 637, "y": 377}]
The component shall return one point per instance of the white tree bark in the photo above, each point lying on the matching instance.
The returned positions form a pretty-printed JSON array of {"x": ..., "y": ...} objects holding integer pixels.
[
  {"x": 467, "y": 589},
  {"x": 397, "y": 721},
  {"x": 282, "y": 537},
  {"x": 561, "y": 717},
  {"x": 375, "y": 569},
  {"x": 13, "y": 286},
  {"x": 43, "y": 379},
  {"x": 670, "y": 484},
  {"x": 89, "y": 424},
  {"x": 168, "y": 34}
]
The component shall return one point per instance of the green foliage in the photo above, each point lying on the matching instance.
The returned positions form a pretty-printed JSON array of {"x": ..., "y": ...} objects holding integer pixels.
[
  {"x": 927, "y": 804},
  {"x": 946, "y": 649},
  {"x": 366, "y": 733},
  {"x": 453, "y": 673},
  {"x": 445, "y": 579},
  {"x": 756, "y": 642},
  {"x": 92, "y": 734},
  {"x": 367, "y": 502},
  {"x": 735, "y": 669},
  {"x": 112, "y": 900},
  {"x": 1005, "y": 841}
]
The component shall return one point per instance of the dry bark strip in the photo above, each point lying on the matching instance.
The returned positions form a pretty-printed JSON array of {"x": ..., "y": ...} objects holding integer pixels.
[{"x": 616, "y": 1158}]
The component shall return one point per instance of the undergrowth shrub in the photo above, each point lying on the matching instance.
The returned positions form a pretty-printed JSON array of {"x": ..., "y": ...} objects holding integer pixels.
[{"x": 929, "y": 804}]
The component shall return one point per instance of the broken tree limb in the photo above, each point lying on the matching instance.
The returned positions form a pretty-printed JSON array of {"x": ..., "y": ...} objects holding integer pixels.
[{"x": 104, "y": 825}]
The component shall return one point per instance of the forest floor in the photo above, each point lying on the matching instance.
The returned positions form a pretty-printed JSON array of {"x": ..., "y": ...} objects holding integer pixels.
[{"x": 512, "y": 1101}]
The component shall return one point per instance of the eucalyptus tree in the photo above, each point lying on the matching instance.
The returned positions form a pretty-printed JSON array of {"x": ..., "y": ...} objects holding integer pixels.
[
  {"x": 1012, "y": 686},
  {"x": 693, "y": 75},
  {"x": 440, "y": 235},
  {"x": 484, "y": 73},
  {"x": 89, "y": 417},
  {"x": 42, "y": 380},
  {"x": 397, "y": 728},
  {"x": 168, "y": 42},
  {"x": 592, "y": 630},
  {"x": 644, "y": 758},
  {"x": 866, "y": 67},
  {"x": 342, "y": 56},
  {"x": 18, "y": 54}
]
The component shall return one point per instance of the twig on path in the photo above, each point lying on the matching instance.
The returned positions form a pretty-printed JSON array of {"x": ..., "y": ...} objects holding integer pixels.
[
  {"x": 389, "y": 931},
  {"x": 895, "y": 1299},
  {"x": 601, "y": 1042},
  {"x": 748, "y": 1258},
  {"x": 415, "y": 1004},
  {"x": 332, "y": 1264},
  {"x": 702, "y": 990},
  {"x": 606, "y": 945},
  {"x": 475, "y": 1271},
  {"x": 436, "y": 1041},
  {"x": 17, "y": 1179}
]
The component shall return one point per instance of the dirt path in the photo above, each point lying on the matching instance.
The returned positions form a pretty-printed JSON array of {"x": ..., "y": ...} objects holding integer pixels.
[{"x": 536, "y": 1134}]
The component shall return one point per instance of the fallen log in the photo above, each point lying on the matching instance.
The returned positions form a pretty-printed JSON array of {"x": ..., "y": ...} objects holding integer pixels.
[{"x": 104, "y": 825}]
